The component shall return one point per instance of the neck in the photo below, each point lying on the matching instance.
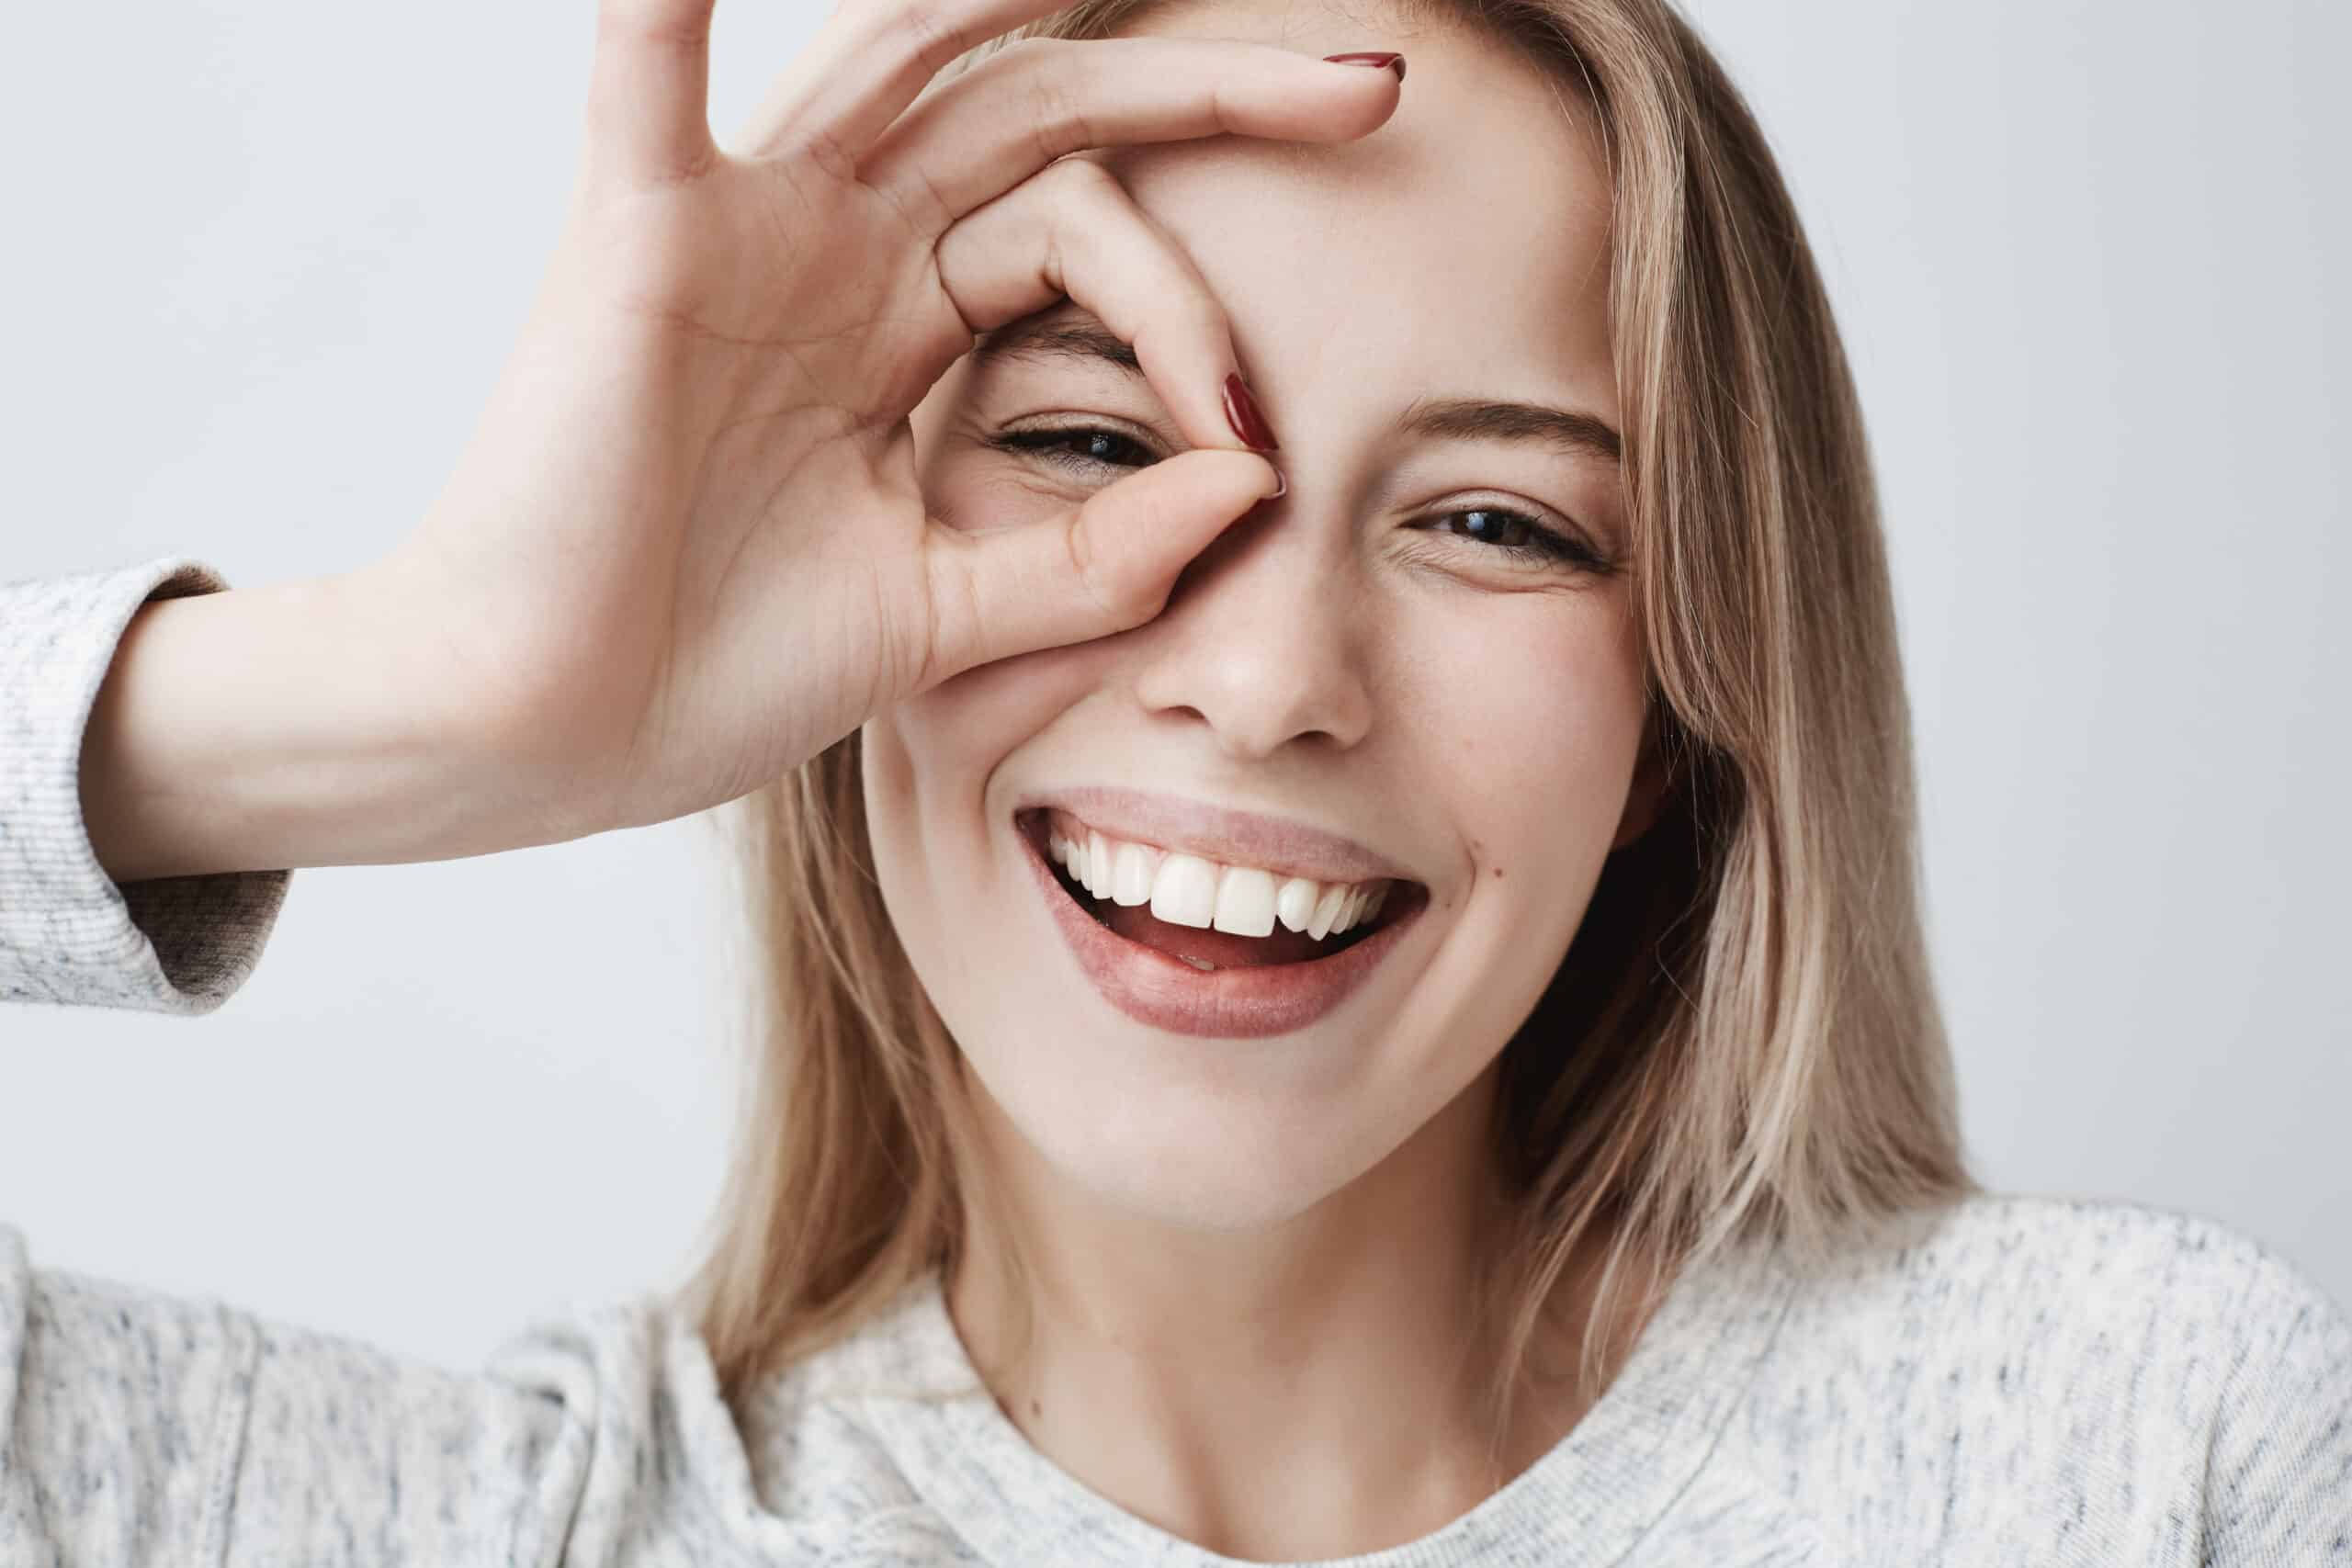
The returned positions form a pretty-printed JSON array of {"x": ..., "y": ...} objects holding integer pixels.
[{"x": 1314, "y": 1389}]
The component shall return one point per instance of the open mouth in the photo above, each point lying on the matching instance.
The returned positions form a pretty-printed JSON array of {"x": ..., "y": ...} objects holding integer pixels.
[{"x": 1300, "y": 936}]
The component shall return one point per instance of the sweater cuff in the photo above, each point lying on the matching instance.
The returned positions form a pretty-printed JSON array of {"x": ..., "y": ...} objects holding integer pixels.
[{"x": 68, "y": 933}]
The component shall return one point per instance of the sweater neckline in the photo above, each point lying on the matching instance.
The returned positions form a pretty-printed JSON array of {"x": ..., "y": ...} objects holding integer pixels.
[{"x": 1582, "y": 1504}]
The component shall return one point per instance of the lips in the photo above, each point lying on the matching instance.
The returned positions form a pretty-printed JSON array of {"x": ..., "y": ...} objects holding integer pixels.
[
  {"x": 1164, "y": 992},
  {"x": 1282, "y": 845}
]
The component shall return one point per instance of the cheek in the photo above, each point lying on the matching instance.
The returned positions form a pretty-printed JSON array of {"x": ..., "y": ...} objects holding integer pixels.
[
  {"x": 949, "y": 741},
  {"x": 1525, "y": 722},
  {"x": 927, "y": 764},
  {"x": 1531, "y": 712}
]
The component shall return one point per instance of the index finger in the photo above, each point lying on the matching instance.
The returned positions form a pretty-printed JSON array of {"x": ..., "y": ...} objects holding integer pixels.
[
  {"x": 867, "y": 63},
  {"x": 994, "y": 126}
]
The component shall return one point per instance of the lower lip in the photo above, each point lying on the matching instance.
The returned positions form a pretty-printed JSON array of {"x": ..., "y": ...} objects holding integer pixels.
[{"x": 1163, "y": 991}]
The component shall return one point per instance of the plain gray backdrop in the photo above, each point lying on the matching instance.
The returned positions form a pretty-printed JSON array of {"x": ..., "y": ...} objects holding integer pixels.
[{"x": 264, "y": 262}]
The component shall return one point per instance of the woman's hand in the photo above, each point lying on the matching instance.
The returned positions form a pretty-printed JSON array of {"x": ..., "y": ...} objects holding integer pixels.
[{"x": 685, "y": 548}]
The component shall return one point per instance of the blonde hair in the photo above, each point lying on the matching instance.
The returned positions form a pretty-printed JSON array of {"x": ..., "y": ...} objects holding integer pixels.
[{"x": 1743, "y": 1041}]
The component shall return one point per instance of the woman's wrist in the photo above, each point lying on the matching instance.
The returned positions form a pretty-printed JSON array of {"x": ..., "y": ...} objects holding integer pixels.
[{"x": 297, "y": 724}]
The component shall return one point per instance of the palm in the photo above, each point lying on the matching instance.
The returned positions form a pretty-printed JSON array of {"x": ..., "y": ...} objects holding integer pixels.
[
  {"x": 810, "y": 404},
  {"x": 779, "y": 511}
]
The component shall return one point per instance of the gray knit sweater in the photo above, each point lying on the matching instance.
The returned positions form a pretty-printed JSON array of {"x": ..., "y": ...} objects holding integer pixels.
[{"x": 2029, "y": 1379}]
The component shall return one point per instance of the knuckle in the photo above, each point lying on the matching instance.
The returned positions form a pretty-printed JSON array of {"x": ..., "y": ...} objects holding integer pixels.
[
  {"x": 1008, "y": 53},
  {"x": 1058, "y": 122},
  {"x": 825, "y": 154},
  {"x": 1198, "y": 315},
  {"x": 1086, "y": 569},
  {"x": 935, "y": 643},
  {"x": 1084, "y": 203},
  {"x": 937, "y": 213},
  {"x": 679, "y": 172},
  {"x": 1086, "y": 179},
  {"x": 923, "y": 33},
  {"x": 664, "y": 25}
]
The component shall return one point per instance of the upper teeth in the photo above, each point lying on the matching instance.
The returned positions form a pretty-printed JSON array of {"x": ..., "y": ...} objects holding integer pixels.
[{"x": 1187, "y": 890}]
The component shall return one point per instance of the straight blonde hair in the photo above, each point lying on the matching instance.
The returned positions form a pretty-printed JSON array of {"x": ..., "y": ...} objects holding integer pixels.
[{"x": 1742, "y": 1043}]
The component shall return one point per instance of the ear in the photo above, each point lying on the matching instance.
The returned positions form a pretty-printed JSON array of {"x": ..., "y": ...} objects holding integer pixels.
[{"x": 1653, "y": 777}]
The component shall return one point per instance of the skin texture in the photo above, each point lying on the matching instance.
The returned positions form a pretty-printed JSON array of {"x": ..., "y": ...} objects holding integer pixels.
[{"x": 1247, "y": 1250}]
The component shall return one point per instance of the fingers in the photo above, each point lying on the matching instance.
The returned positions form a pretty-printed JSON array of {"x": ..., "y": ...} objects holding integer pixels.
[
  {"x": 649, "y": 91},
  {"x": 1074, "y": 230},
  {"x": 987, "y": 130},
  {"x": 868, "y": 63},
  {"x": 1105, "y": 567}
]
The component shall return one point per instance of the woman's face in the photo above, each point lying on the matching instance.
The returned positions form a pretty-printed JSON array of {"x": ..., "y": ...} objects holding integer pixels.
[{"x": 1380, "y": 655}]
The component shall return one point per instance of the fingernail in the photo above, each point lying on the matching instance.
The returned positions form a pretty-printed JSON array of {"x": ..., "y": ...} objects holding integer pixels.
[
  {"x": 1282, "y": 485},
  {"x": 1241, "y": 412},
  {"x": 1394, "y": 61}
]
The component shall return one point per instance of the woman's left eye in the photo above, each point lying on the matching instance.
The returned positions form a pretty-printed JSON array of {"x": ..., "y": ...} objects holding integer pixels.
[
  {"x": 1534, "y": 541},
  {"x": 1537, "y": 544}
]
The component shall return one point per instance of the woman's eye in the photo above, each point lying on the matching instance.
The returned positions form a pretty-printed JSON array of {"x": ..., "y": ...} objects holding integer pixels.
[
  {"x": 1514, "y": 534},
  {"x": 1076, "y": 446},
  {"x": 1517, "y": 535}
]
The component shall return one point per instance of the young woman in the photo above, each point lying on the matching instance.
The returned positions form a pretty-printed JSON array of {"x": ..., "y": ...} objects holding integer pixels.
[{"x": 1349, "y": 996}]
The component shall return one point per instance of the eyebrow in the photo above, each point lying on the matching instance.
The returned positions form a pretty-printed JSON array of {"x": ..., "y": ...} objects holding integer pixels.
[{"x": 1069, "y": 332}]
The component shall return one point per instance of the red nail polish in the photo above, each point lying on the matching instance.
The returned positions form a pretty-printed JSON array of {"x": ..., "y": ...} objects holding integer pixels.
[
  {"x": 1394, "y": 61},
  {"x": 1241, "y": 412}
]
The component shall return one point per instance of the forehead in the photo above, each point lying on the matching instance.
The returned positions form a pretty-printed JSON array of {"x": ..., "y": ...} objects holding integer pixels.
[{"x": 1463, "y": 245}]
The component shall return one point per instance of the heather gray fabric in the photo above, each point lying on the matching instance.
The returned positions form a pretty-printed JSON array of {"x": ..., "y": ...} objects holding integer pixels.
[
  {"x": 177, "y": 945},
  {"x": 2026, "y": 1380}
]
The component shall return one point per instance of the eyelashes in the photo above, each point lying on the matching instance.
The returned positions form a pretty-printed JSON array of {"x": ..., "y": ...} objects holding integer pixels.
[
  {"x": 1045, "y": 442},
  {"x": 1539, "y": 544}
]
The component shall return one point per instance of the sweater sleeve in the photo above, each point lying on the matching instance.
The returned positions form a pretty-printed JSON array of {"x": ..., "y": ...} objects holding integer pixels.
[
  {"x": 2279, "y": 1470},
  {"x": 68, "y": 933},
  {"x": 138, "y": 1428}
]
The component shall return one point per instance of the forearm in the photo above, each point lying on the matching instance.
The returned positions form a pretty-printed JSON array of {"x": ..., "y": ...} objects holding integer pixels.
[{"x": 281, "y": 726}]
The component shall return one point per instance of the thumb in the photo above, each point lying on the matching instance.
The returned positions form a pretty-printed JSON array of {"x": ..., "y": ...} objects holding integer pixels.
[{"x": 1104, "y": 568}]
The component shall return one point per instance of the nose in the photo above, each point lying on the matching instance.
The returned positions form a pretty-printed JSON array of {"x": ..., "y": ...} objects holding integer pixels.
[{"x": 1257, "y": 639}]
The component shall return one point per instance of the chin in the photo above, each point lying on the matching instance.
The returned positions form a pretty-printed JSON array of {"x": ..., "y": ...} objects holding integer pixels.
[
  {"x": 1180, "y": 1156},
  {"x": 1204, "y": 1136}
]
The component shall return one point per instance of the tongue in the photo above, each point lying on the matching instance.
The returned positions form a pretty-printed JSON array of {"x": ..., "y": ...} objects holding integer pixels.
[{"x": 1227, "y": 951}]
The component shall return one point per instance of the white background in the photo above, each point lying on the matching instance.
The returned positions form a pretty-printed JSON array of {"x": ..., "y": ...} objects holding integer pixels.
[{"x": 264, "y": 261}]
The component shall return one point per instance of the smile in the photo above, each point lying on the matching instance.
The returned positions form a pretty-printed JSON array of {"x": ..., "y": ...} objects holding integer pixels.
[
  {"x": 1193, "y": 890},
  {"x": 1209, "y": 982}
]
